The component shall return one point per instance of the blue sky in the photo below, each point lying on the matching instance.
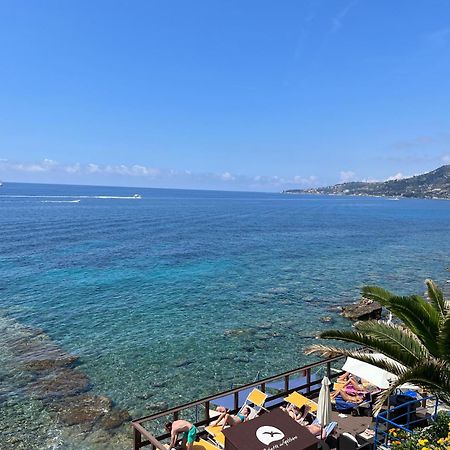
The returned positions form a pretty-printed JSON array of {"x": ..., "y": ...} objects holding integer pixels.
[{"x": 235, "y": 94}]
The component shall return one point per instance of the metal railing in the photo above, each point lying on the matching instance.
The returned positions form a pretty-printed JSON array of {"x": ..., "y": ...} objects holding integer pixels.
[
  {"x": 277, "y": 387},
  {"x": 395, "y": 418}
]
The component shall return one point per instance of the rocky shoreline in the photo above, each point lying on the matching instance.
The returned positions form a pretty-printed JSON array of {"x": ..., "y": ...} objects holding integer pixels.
[{"x": 39, "y": 375}]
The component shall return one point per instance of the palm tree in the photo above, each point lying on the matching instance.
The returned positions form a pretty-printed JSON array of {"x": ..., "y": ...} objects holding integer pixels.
[{"x": 418, "y": 346}]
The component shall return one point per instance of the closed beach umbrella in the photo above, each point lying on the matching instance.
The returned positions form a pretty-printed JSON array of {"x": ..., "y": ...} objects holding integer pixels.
[{"x": 324, "y": 404}]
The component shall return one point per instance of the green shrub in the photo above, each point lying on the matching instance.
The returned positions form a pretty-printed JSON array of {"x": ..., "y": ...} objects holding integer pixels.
[{"x": 434, "y": 437}]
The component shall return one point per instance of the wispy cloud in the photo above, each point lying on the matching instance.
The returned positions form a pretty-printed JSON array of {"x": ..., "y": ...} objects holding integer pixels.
[
  {"x": 347, "y": 175},
  {"x": 145, "y": 175},
  {"x": 417, "y": 141},
  {"x": 337, "y": 21}
]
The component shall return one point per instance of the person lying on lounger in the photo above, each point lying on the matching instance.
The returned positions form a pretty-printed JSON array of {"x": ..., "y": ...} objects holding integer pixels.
[
  {"x": 226, "y": 418},
  {"x": 298, "y": 414},
  {"x": 345, "y": 401},
  {"x": 348, "y": 397}
]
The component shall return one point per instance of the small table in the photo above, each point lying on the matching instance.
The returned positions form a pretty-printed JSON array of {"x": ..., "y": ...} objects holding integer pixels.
[{"x": 273, "y": 430}]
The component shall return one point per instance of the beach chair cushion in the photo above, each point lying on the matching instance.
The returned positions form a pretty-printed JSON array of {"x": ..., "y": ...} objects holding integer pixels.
[
  {"x": 342, "y": 405},
  {"x": 299, "y": 400},
  {"x": 216, "y": 433},
  {"x": 257, "y": 397}
]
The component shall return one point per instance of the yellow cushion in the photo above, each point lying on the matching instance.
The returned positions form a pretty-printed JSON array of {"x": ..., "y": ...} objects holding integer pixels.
[
  {"x": 216, "y": 433},
  {"x": 299, "y": 400},
  {"x": 257, "y": 397}
]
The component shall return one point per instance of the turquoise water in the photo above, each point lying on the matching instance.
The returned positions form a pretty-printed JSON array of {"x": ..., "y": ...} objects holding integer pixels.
[{"x": 182, "y": 293}]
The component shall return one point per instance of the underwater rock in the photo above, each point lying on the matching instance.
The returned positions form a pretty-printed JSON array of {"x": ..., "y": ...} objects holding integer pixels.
[
  {"x": 237, "y": 332},
  {"x": 326, "y": 319},
  {"x": 183, "y": 362},
  {"x": 145, "y": 396},
  {"x": 248, "y": 349},
  {"x": 60, "y": 383},
  {"x": 157, "y": 406},
  {"x": 82, "y": 409},
  {"x": 54, "y": 362},
  {"x": 114, "y": 419},
  {"x": 264, "y": 326}
]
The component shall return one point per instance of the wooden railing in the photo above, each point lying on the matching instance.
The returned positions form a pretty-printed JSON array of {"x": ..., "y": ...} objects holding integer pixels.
[{"x": 309, "y": 388}]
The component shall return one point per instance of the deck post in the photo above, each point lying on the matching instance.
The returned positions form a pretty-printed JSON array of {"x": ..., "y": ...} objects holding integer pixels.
[
  {"x": 236, "y": 400},
  {"x": 308, "y": 380},
  {"x": 207, "y": 416},
  {"x": 137, "y": 439},
  {"x": 286, "y": 383},
  {"x": 328, "y": 369}
]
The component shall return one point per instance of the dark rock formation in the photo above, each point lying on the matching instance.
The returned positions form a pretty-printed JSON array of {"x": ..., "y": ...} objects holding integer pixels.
[
  {"x": 81, "y": 409},
  {"x": 60, "y": 383},
  {"x": 364, "y": 310},
  {"x": 49, "y": 362},
  {"x": 114, "y": 419},
  {"x": 89, "y": 410}
]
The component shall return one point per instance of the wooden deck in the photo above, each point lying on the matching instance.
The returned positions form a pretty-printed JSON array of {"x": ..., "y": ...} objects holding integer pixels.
[{"x": 303, "y": 379}]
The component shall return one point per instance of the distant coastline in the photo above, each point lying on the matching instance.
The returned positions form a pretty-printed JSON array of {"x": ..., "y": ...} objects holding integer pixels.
[{"x": 432, "y": 185}]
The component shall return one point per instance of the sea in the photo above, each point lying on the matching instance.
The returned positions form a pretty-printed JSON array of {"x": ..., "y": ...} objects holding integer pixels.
[{"x": 171, "y": 295}]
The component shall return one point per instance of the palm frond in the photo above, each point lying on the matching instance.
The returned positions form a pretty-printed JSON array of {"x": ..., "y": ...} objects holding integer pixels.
[
  {"x": 444, "y": 338},
  {"x": 387, "y": 341},
  {"x": 402, "y": 341},
  {"x": 387, "y": 364},
  {"x": 377, "y": 294},
  {"x": 432, "y": 375},
  {"x": 436, "y": 297},
  {"x": 420, "y": 317}
]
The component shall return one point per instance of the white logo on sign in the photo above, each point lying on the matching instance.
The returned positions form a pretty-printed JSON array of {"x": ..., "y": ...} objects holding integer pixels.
[{"x": 268, "y": 434}]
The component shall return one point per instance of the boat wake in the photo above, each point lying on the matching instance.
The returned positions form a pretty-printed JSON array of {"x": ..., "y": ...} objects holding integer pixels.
[
  {"x": 60, "y": 201},
  {"x": 78, "y": 197}
]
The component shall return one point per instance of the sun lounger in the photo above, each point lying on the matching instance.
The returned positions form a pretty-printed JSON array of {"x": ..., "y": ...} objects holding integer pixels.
[
  {"x": 328, "y": 429},
  {"x": 300, "y": 400},
  {"x": 255, "y": 400},
  {"x": 216, "y": 433}
]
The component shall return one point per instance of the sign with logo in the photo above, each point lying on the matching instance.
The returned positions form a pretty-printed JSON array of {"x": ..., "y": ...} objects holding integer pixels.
[
  {"x": 270, "y": 431},
  {"x": 267, "y": 434}
]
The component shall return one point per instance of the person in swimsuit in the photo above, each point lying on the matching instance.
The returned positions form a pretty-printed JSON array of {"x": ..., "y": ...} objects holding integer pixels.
[
  {"x": 348, "y": 397},
  {"x": 189, "y": 433},
  {"x": 226, "y": 418},
  {"x": 298, "y": 414}
]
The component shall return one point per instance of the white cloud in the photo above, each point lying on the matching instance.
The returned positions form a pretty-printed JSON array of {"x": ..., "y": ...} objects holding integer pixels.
[
  {"x": 446, "y": 159},
  {"x": 92, "y": 168},
  {"x": 50, "y": 171},
  {"x": 226, "y": 176},
  {"x": 346, "y": 176},
  {"x": 397, "y": 176},
  {"x": 74, "y": 168}
]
